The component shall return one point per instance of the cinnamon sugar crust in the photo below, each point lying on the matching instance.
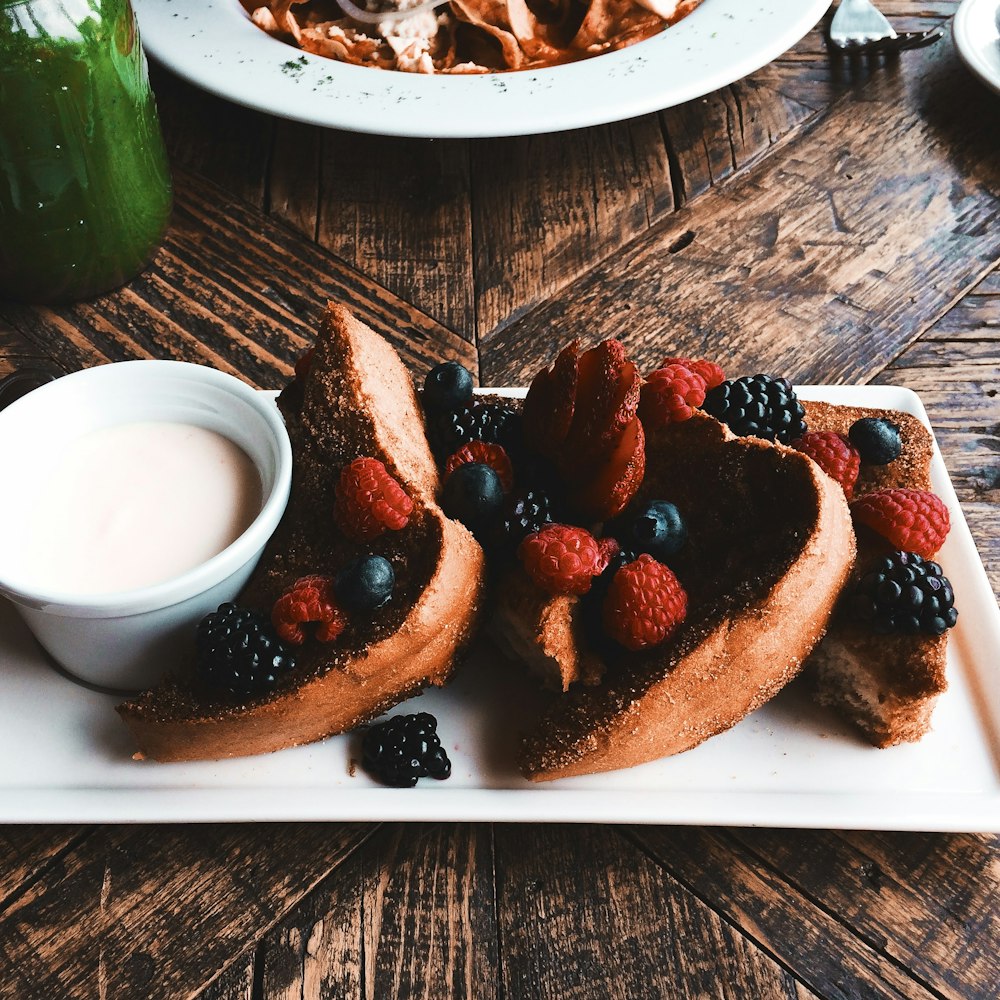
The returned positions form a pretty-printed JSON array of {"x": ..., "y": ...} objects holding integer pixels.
[
  {"x": 770, "y": 546},
  {"x": 356, "y": 400},
  {"x": 886, "y": 685}
]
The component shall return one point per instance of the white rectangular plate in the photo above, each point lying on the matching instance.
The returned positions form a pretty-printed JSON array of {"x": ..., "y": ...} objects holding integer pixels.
[{"x": 66, "y": 757}]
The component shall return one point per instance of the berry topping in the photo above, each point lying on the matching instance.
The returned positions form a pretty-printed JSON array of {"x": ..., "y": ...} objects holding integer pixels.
[
  {"x": 877, "y": 440},
  {"x": 561, "y": 559},
  {"x": 708, "y": 370},
  {"x": 405, "y": 748},
  {"x": 551, "y": 400},
  {"x": 309, "y": 601},
  {"x": 447, "y": 387},
  {"x": 238, "y": 654},
  {"x": 365, "y": 583},
  {"x": 479, "y": 422},
  {"x": 369, "y": 501},
  {"x": 670, "y": 395},
  {"x": 911, "y": 520},
  {"x": 525, "y": 512},
  {"x": 758, "y": 406},
  {"x": 492, "y": 455},
  {"x": 834, "y": 454},
  {"x": 905, "y": 593},
  {"x": 581, "y": 415},
  {"x": 473, "y": 494},
  {"x": 609, "y": 550},
  {"x": 656, "y": 528},
  {"x": 644, "y": 605}
]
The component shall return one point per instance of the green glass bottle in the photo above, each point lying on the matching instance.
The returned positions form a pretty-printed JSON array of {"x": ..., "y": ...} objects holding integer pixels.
[{"x": 84, "y": 183}]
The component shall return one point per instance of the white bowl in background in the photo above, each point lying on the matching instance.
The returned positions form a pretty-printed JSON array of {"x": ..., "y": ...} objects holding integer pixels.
[{"x": 128, "y": 639}]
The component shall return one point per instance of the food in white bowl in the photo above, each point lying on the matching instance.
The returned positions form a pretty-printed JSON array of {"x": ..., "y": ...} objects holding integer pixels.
[
  {"x": 142, "y": 494},
  {"x": 464, "y": 36}
]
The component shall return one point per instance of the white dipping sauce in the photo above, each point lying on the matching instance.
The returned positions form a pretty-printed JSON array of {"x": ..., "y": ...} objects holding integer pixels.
[{"x": 137, "y": 504}]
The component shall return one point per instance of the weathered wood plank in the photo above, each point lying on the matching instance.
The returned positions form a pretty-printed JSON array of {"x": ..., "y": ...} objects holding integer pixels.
[
  {"x": 410, "y": 915},
  {"x": 231, "y": 289},
  {"x": 220, "y": 141},
  {"x": 830, "y": 958},
  {"x": 545, "y": 208},
  {"x": 294, "y": 176},
  {"x": 982, "y": 518},
  {"x": 585, "y": 914},
  {"x": 398, "y": 210},
  {"x": 820, "y": 263},
  {"x": 929, "y": 902},
  {"x": 713, "y": 137},
  {"x": 27, "y": 851},
  {"x": 158, "y": 911},
  {"x": 235, "y": 983}
]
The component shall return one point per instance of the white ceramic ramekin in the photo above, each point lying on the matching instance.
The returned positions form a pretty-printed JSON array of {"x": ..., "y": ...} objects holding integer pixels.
[{"x": 128, "y": 639}]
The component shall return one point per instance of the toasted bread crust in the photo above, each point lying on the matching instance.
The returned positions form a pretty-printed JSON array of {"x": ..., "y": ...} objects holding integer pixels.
[
  {"x": 759, "y": 603},
  {"x": 885, "y": 685},
  {"x": 358, "y": 400}
]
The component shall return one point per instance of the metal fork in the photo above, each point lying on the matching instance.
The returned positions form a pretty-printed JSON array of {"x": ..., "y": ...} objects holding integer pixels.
[
  {"x": 858, "y": 27},
  {"x": 856, "y": 23}
]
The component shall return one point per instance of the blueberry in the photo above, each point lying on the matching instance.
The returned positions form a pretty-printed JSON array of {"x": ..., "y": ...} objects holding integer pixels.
[
  {"x": 473, "y": 495},
  {"x": 365, "y": 583},
  {"x": 447, "y": 387},
  {"x": 657, "y": 528},
  {"x": 877, "y": 440}
]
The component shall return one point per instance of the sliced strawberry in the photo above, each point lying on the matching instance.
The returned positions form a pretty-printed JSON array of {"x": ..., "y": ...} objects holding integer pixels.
[
  {"x": 608, "y": 492},
  {"x": 549, "y": 405},
  {"x": 607, "y": 396}
]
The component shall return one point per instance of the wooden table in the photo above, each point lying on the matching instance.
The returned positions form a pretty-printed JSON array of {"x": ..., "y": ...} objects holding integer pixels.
[{"x": 831, "y": 220}]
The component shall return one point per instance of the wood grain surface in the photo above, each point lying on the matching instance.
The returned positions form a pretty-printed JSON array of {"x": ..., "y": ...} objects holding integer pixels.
[{"x": 832, "y": 219}]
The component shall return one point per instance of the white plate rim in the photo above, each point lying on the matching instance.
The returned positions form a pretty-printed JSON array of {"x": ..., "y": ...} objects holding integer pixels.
[
  {"x": 213, "y": 44},
  {"x": 561, "y": 801},
  {"x": 976, "y": 34}
]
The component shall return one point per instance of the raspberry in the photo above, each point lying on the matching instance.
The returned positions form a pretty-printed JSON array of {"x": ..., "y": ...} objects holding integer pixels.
[
  {"x": 309, "y": 600},
  {"x": 670, "y": 395},
  {"x": 912, "y": 520},
  {"x": 561, "y": 559},
  {"x": 369, "y": 501},
  {"x": 645, "y": 604},
  {"x": 834, "y": 454},
  {"x": 492, "y": 455},
  {"x": 708, "y": 370}
]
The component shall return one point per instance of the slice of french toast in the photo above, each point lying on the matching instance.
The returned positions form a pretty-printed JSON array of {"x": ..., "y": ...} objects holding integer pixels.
[
  {"x": 770, "y": 546},
  {"x": 887, "y": 685},
  {"x": 357, "y": 399}
]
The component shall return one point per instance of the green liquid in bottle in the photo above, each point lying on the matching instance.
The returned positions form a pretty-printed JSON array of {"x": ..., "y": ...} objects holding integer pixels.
[{"x": 84, "y": 182}]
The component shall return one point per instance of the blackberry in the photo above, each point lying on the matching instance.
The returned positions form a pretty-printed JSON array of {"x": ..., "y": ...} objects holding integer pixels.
[
  {"x": 525, "y": 512},
  {"x": 905, "y": 593},
  {"x": 405, "y": 748},
  {"x": 877, "y": 440},
  {"x": 758, "y": 406},
  {"x": 238, "y": 653},
  {"x": 479, "y": 422}
]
